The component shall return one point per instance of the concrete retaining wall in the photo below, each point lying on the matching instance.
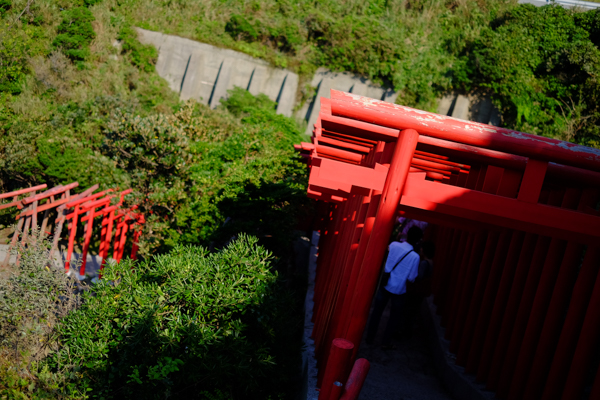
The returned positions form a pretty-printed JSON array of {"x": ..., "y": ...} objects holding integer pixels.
[
  {"x": 469, "y": 108},
  {"x": 203, "y": 72}
]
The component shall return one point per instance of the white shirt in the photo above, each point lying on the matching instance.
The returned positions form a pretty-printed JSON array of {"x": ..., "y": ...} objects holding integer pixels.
[{"x": 408, "y": 269}]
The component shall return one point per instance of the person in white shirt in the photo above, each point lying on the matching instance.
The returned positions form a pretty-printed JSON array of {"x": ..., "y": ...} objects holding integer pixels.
[{"x": 403, "y": 265}]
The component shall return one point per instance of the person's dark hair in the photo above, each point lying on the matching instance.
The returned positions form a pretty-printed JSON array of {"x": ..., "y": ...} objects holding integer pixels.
[
  {"x": 414, "y": 235},
  {"x": 428, "y": 249}
]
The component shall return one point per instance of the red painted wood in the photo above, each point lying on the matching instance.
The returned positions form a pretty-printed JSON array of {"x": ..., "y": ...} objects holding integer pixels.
[
  {"x": 458, "y": 285},
  {"x": 545, "y": 257},
  {"x": 467, "y": 290},
  {"x": 454, "y": 262},
  {"x": 471, "y": 133},
  {"x": 540, "y": 306},
  {"x": 587, "y": 345},
  {"x": 337, "y": 368},
  {"x": 483, "y": 273},
  {"x": 384, "y": 222},
  {"x": 517, "y": 307},
  {"x": 510, "y": 258},
  {"x": 532, "y": 182},
  {"x": 550, "y": 332},
  {"x": 500, "y": 211},
  {"x": 356, "y": 380},
  {"x": 569, "y": 336}
]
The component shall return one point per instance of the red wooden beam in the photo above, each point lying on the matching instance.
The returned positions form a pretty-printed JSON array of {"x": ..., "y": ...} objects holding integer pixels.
[
  {"x": 501, "y": 211},
  {"x": 472, "y": 133}
]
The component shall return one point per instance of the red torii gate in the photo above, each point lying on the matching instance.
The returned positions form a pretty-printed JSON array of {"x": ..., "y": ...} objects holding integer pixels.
[
  {"x": 86, "y": 202},
  {"x": 515, "y": 215}
]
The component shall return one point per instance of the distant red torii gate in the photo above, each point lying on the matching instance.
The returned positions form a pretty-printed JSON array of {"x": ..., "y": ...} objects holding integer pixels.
[{"x": 516, "y": 214}]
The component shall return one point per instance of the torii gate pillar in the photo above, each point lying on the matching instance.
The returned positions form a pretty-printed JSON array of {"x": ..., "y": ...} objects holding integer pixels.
[{"x": 382, "y": 229}]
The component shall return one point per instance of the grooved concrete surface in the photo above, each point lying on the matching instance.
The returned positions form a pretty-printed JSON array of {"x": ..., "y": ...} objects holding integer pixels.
[
  {"x": 203, "y": 72},
  {"x": 469, "y": 108}
]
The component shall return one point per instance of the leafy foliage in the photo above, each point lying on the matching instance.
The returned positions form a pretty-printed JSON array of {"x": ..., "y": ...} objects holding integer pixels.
[
  {"x": 35, "y": 296},
  {"x": 142, "y": 56},
  {"x": 185, "y": 322},
  {"x": 544, "y": 67},
  {"x": 75, "y": 33}
]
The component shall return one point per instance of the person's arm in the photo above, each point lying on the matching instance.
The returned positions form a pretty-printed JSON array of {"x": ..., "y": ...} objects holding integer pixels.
[{"x": 414, "y": 271}]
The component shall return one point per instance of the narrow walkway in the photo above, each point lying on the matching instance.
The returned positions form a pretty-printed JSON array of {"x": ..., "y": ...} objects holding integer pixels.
[{"x": 404, "y": 373}]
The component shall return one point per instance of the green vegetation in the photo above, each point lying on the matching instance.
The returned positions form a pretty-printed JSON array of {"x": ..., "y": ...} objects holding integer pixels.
[
  {"x": 538, "y": 64},
  {"x": 79, "y": 100},
  {"x": 32, "y": 300},
  {"x": 543, "y": 66},
  {"x": 183, "y": 323},
  {"x": 76, "y": 106},
  {"x": 75, "y": 33}
]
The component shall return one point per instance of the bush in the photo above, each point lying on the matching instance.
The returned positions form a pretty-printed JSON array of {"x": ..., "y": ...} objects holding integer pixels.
[
  {"x": 239, "y": 28},
  {"x": 543, "y": 67},
  {"x": 36, "y": 295},
  {"x": 142, "y": 56},
  {"x": 75, "y": 33},
  {"x": 185, "y": 322}
]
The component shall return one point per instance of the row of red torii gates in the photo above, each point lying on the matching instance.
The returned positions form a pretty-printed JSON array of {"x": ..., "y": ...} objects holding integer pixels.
[{"x": 516, "y": 225}]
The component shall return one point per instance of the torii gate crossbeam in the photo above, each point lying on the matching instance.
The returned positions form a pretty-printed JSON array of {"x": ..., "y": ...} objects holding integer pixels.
[{"x": 517, "y": 231}]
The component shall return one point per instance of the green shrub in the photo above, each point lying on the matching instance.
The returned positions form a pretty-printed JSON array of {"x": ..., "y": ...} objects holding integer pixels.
[
  {"x": 544, "y": 70},
  {"x": 14, "y": 66},
  {"x": 35, "y": 296},
  {"x": 182, "y": 323},
  {"x": 75, "y": 33},
  {"x": 5, "y": 5},
  {"x": 239, "y": 28},
  {"x": 142, "y": 56}
]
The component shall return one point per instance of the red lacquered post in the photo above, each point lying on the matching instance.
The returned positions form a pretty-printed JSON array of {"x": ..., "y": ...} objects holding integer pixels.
[
  {"x": 510, "y": 257},
  {"x": 517, "y": 348},
  {"x": 550, "y": 333},
  {"x": 444, "y": 269},
  {"x": 86, "y": 240},
  {"x": 467, "y": 290},
  {"x": 333, "y": 277},
  {"x": 334, "y": 330},
  {"x": 458, "y": 285},
  {"x": 356, "y": 380},
  {"x": 382, "y": 228},
  {"x": 571, "y": 330},
  {"x": 358, "y": 262},
  {"x": 117, "y": 241},
  {"x": 336, "y": 390},
  {"x": 136, "y": 237},
  {"x": 540, "y": 307},
  {"x": 446, "y": 308},
  {"x": 123, "y": 239},
  {"x": 587, "y": 346},
  {"x": 466, "y": 340},
  {"x": 72, "y": 233},
  {"x": 337, "y": 366},
  {"x": 595, "y": 394},
  {"x": 520, "y": 294}
]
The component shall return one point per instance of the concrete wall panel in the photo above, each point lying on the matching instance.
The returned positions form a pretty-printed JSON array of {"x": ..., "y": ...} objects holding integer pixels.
[{"x": 205, "y": 73}]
